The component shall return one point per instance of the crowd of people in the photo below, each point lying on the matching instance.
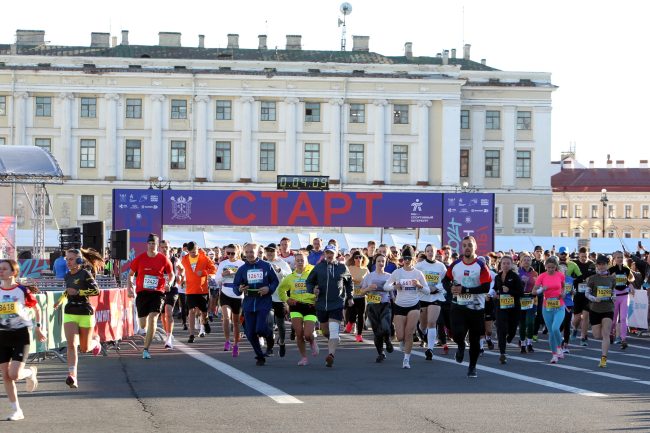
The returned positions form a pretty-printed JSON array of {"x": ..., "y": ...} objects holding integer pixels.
[{"x": 402, "y": 295}]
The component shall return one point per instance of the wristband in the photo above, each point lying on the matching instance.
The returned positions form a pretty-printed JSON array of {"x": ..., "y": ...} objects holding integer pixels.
[{"x": 38, "y": 324}]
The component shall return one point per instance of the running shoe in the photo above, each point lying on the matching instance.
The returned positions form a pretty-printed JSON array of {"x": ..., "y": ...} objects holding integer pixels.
[
  {"x": 31, "y": 383},
  {"x": 460, "y": 354},
  {"x": 348, "y": 328},
  {"x": 211, "y": 317},
  {"x": 269, "y": 352},
  {"x": 439, "y": 343},
  {"x": 583, "y": 342},
  {"x": 389, "y": 345},
  {"x": 314, "y": 348},
  {"x": 503, "y": 359},
  {"x": 523, "y": 350},
  {"x": 329, "y": 360},
  {"x": 191, "y": 339},
  {"x": 358, "y": 339},
  {"x": 471, "y": 372},
  {"x": 202, "y": 333},
  {"x": 380, "y": 358},
  {"x": 16, "y": 416},
  {"x": 283, "y": 350},
  {"x": 184, "y": 326},
  {"x": 603, "y": 362},
  {"x": 207, "y": 327},
  {"x": 535, "y": 338},
  {"x": 445, "y": 349},
  {"x": 617, "y": 340},
  {"x": 530, "y": 349},
  {"x": 226, "y": 346},
  {"x": 554, "y": 359},
  {"x": 565, "y": 348},
  {"x": 260, "y": 361},
  {"x": 235, "y": 351},
  {"x": 303, "y": 361},
  {"x": 428, "y": 354},
  {"x": 71, "y": 381},
  {"x": 560, "y": 353},
  {"x": 490, "y": 344},
  {"x": 406, "y": 364},
  {"x": 145, "y": 354},
  {"x": 574, "y": 334},
  {"x": 623, "y": 345},
  {"x": 169, "y": 344},
  {"x": 97, "y": 350}
]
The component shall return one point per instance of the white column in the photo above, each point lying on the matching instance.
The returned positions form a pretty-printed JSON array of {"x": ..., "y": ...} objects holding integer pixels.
[
  {"x": 335, "y": 140},
  {"x": 200, "y": 148},
  {"x": 477, "y": 154},
  {"x": 290, "y": 153},
  {"x": 107, "y": 164},
  {"x": 541, "y": 169},
  {"x": 246, "y": 158},
  {"x": 422, "y": 154},
  {"x": 379, "y": 150},
  {"x": 19, "y": 102},
  {"x": 65, "y": 100},
  {"x": 156, "y": 169},
  {"x": 508, "y": 154},
  {"x": 450, "y": 126}
]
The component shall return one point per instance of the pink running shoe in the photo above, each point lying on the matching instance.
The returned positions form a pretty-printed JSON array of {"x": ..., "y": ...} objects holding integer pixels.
[
  {"x": 314, "y": 348},
  {"x": 97, "y": 350},
  {"x": 303, "y": 362},
  {"x": 226, "y": 346},
  {"x": 235, "y": 351},
  {"x": 358, "y": 339}
]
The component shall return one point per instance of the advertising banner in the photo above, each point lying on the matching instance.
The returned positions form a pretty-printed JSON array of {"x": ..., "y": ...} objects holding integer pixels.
[
  {"x": 140, "y": 212},
  {"x": 7, "y": 237},
  {"x": 469, "y": 214},
  {"x": 113, "y": 314}
]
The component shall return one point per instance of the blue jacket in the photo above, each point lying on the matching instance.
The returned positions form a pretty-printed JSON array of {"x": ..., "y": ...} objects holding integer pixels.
[
  {"x": 334, "y": 284},
  {"x": 252, "y": 301}
]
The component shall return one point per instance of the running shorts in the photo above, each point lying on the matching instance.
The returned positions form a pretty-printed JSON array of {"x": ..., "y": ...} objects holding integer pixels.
[
  {"x": 150, "y": 301},
  {"x": 404, "y": 311},
  {"x": 197, "y": 301},
  {"x": 233, "y": 303},
  {"x": 14, "y": 345},
  {"x": 580, "y": 303},
  {"x": 306, "y": 312},
  {"x": 84, "y": 321},
  {"x": 597, "y": 318},
  {"x": 326, "y": 316}
]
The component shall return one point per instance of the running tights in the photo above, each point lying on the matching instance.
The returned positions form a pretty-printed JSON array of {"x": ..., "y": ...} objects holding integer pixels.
[
  {"x": 464, "y": 321},
  {"x": 553, "y": 319}
]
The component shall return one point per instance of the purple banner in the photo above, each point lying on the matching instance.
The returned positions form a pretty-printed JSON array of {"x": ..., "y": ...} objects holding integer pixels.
[
  {"x": 140, "y": 211},
  {"x": 468, "y": 214}
]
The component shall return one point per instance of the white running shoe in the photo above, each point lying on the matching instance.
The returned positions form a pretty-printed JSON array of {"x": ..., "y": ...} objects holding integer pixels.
[
  {"x": 202, "y": 332},
  {"x": 16, "y": 416},
  {"x": 31, "y": 383},
  {"x": 554, "y": 359},
  {"x": 406, "y": 363}
]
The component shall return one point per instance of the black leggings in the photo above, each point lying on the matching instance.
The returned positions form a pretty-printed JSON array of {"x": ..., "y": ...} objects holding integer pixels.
[
  {"x": 278, "y": 313},
  {"x": 355, "y": 313},
  {"x": 464, "y": 320},
  {"x": 182, "y": 302},
  {"x": 379, "y": 315},
  {"x": 444, "y": 321},
  {"x": 507, "y": 321},
  {"x": 566, "y": 324},
  {"x": 539, "y": 318}
]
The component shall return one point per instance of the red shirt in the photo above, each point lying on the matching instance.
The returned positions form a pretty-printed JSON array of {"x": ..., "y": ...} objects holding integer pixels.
[{"x": 151, "y": 272}]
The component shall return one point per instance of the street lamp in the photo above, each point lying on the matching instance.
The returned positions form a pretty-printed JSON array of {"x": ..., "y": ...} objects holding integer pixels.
[
  {"x": 160, "y": 184},
  {"x": 464, "y": 187},
  {"x": 603, "y": 200}
]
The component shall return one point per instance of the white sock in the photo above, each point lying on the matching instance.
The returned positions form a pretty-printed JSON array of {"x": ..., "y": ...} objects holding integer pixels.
[
  {"x": 407, "y": 356},
  {"x": 15, "y": 405},
  {"x": 529, "y": 342},
  {"x": 482, "y": 342},
  {"x": 431, "y": 337}
]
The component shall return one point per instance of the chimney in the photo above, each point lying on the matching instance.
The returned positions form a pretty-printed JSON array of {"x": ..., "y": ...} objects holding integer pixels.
[
  {"x": 100, "y": 40},
  {"x": 609, "y": 163},
  {"x": 125, "y": 37},
  {"x": 483, "y": 61},
  {"x": 466, "y": 51},
  {"x": 445, "y": 57},
  {"x": 643, "y": 163},
  {"x": 30, "y": 38},
  {"x": 233, "y": 40},
  {"x": 620, "y": 163},
  {"x": 361, "y": 43},
  {"x": 201, "y": 41},
  {"x": 592, "y": 164},
  {"x": 169, "y": 39},
  {"x": 262, "y": 43},
  {"x": 294, "y": 42},
  {"x": 113, "y": 41},
  {"x": 453, "y": 53},
  {"x": 408, "y": 50}
]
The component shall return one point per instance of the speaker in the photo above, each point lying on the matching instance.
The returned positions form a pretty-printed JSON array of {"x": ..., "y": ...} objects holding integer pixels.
[
  {"x": 70, "y": 238},
  {"x": 120, "y": 244},
  {"x": 93, "y": 236}
]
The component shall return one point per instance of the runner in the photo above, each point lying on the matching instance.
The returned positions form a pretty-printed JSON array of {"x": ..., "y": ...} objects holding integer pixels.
[
  {"x": 285, "y": 252},
  {"x": 280, "y": 308},
  {"x": 171, "y": 297},
  {"x": 316, "y": 254},
  {"x": 301, "y": 305},
  {"x": 410, "y": 283},
  {"x": 155, "y": 273},
  {"x": 572, "y": 274},
  {"x": 198, "y": 268},
  {"x": 624, "y": 280},
  {"x": 490, "y": 306},
  {"x": 358, "y": 266},
  {"x": 551, "y": 285},
  {"x": 538, "y": 265},
  {"x": 580, "y": 302},
  {"x": 15, "y": 322},
  {"x": 430, "y": 305},
  {"x": 230, "y": 302},
  {"x": 600, "y": 292},
  {"x": 213, "y": 287},
  {"x": 528, "y": 303},
  {"x": 470, "y": 279},
  {"x": 508, "y": 290},
  {"x": 331, "y": 284},
  {"x": 257, "y": 281},
  {"x": 378, "y": 306}
]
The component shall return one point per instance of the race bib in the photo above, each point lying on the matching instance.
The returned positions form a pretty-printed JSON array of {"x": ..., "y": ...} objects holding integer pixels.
[
  {"x": 300, "y": 287},
  {"x": 526, "y": 303},
  {"x": 150, "y": 282},
  {"x": 373, "y": 298},
  {"x": 506, "y": 301},
  {"x": 464, "y": 299},
  {"x": 8, "y": 307},
  {"x": 582, "y": 288},
  {"x": 407, "y": 284},
  {"x": 552, "y": 303},
  {"x": 621, "y": 279},
  {"x": 568, "y": 285},
  {"x": 603, "y": 292},
  {"x": 432, "y": 278},
  {"x": 254, "y": 276},
  {"x": 357, "y": 292}
]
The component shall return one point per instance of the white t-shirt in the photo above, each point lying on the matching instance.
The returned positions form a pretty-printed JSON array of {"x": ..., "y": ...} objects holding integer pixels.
[
  {"x": 284, "y": 271},
  {"x": 226, "y": 282},
  {"x": 410, "y": 294},
  {"x": 433, "y": 273}
]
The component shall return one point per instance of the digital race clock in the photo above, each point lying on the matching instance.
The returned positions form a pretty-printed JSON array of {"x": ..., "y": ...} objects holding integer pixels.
[{"x": 318, "y": 183}]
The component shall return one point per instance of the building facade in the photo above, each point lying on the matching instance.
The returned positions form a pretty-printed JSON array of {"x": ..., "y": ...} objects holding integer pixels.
[{"x": 121, "y": 115}]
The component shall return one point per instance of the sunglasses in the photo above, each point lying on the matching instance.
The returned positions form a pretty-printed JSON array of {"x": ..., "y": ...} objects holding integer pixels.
[
  {"x": 230, "y": 253},
  {"x": 407, "y": 258},
  {"x": 357, "y": 257}
]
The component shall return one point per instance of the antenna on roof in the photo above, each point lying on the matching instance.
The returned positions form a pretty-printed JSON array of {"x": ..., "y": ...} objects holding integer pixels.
[{"x": 346, "y": 9}]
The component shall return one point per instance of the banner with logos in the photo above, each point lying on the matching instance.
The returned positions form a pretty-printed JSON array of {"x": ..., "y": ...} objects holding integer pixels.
[
  {"x": 7, "y": 237},
  {"x": 468, "y": 214}
]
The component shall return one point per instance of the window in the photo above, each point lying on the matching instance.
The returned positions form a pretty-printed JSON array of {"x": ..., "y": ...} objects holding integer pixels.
[
  {"x": 222, "y": 152},
  {"x": 43, "y": 106},
  {"x": 46, "y": 204},
  {"x": 268, "y": 111},
  {"x": 87, "y": 205},
  {"x": 178, "y": 155},
  {"x": 610, "y": 234},
  {"x": 645, "y": 211},
  {"x": 523, "y": 215},
  {"x": 355, "y": 161},
  {"x": 492, "y": 119},
  {"x": 611, "y": 211},
  {"x": 563, "y": 234},
  {"x": 224, "y": 110},
  {"x": 523, "y": 164},
  {"x": 400, "y": 158},
  {"x": 312, "y": 157},
  {"x": 267, "y": 156},
  {"x": 628, "y": 211},
  {"x": 524, "y": 120},
  {"x": 594, "y": 211},
  {"x": 492, "y": 163},
  {"x": 133, "y": 154},
  {"x": 645, "y": 235},
  {"x": 464, "y": 162},
  {"x": 89, "y": 107},
  {"x": 497, "y": 215},
  {"x": 464, "y": 119},
  {"x": 594, "y": 234},
  {"x": 576, "y": 234},
  {"x": 134, "y": 108},
  {"x": 564, "y": 211},
  {"x": 577, "y": 211},
  {"x": 87, "y": 154},
  {"x": 400, "y": 114},
  {"x": 357, "y": 113},
  {"x": 627, "y": 235},
  {"x": 179, "y": 109},
  {"x": 312, "y": 112},
  {"x": 2, "y": 141},
  {"x": 3, "y": 105},
  {"x": 43, "y": 143}
]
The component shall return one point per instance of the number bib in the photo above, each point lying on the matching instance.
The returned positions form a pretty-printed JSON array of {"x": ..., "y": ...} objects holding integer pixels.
[
  {"x": 526, "y": 303},
  {"x": 506, "y": 301},
  {"x": 568, "y": 285},
  {"x": 621, "y": 279},
  {"x": 150, "y": 282},
  {"x": 432, "y": 278},
  {"x": 254, "y": 276},
  {"x": 407, "y": 284},
  {"x": 300, "y": 287},
  {"x": 552, "y": 303},
  {"x": 8, "y": 307},
  {"x": 373, "y": 298},
  {"x": 464, "y": 299},
  {"x": 357, "y": 293},
  {"x": 603, "y": 292},
  {"x": 582, "y": 288}
]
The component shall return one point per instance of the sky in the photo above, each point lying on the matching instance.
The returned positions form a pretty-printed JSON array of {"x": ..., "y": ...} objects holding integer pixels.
[{"x": 596, "y": 51}]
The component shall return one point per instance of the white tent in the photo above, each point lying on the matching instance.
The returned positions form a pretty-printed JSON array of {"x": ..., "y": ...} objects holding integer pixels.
[
  {"x": 178, "y": 237},
  {"x": 528, "y": 243},
  {"x": 609, "y": 245}
]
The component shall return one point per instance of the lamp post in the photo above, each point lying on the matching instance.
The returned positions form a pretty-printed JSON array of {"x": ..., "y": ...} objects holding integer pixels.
[
  {"x": 603, "y": 200},
  {"x": 465, "y": 187},
  {"x": 160, "y": 184}
]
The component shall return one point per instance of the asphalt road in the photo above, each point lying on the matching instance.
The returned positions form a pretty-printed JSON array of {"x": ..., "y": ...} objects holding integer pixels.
[{"x": 199, "y": 387}]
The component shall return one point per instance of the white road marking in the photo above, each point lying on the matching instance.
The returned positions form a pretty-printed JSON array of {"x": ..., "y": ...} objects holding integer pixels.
[{"x": 276, "y": 394}]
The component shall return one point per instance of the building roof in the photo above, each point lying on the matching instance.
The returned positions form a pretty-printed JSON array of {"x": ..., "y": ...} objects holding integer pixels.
[
  {"x": 28, "y": 164},
  {"x": 595, "y": 179}
]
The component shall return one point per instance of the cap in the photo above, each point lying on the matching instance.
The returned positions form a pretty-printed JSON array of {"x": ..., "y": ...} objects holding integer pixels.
[
  {"x": 271, "y": 247},
  {"x": 538, "y": 248},
  {"x": 331, "y": 248},
  {"x": 152, "y": 237},
  {"x": 602, "y": 259},
  {"x": 562, "y": 250}
]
